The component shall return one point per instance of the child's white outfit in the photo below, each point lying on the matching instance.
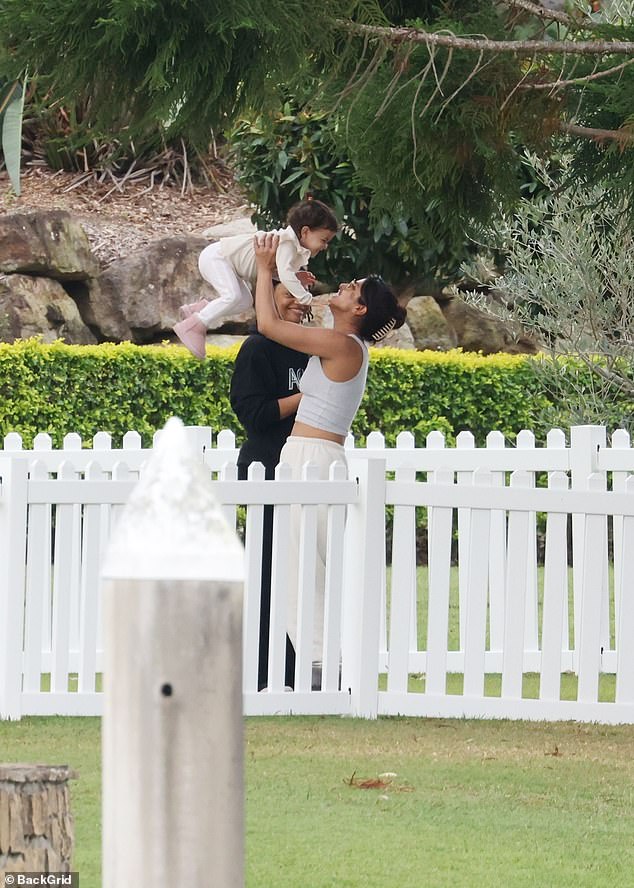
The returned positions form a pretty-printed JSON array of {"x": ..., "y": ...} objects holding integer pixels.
[{"x": 229, "y": 266}]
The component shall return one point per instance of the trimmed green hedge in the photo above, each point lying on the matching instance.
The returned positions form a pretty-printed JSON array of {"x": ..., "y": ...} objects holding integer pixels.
[{"x": 60, "y": 388}]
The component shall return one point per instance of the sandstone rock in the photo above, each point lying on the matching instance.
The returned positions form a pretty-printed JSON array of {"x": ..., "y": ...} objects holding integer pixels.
[
  {"x": 32, "y": 306},
  {"x": 478, "y": 331},
  {"x": 138, "y": 297},
  {"x": 429, "y": 327},
  {"x": 51, "y": 243}
]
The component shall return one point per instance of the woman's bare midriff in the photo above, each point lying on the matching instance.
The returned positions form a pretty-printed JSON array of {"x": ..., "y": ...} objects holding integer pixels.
[{"x": 301, "y": 430}]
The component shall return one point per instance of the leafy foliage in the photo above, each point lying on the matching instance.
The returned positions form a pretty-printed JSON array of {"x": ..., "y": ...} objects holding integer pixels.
[
  {"x": 434, "y": 134},
  {"x": 116, "y": 388},
  {"x": 568, "y": 277},
  {"x": 187, "y": 65},
  {"x": 281, "y": 157},
  {"x": 441, "y": 121}
]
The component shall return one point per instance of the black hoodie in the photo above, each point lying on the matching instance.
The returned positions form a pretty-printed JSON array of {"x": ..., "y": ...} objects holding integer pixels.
[{"x": 264, "y": 372}]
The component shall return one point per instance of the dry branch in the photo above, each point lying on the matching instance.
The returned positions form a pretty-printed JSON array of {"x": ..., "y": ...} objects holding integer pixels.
[
  {"x": 549, "y": 14},
  {"x": 599, "y": 135},
  {"x": 528, "y": 48},
  {"x": 573, "y": 81}
]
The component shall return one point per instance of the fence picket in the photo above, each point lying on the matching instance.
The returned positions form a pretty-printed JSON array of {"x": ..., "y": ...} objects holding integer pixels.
[
  {"x": 518, "y": 589},
  {"x": 526, "y": 441},
  {"x": 63, "y": 571},
  {"x": 592, "y": 599},
  {"x": 620, "y": 442},
  {"x": 306, "y": 599},
  {"x": 439, "y": 571},
  {"x": 403, "y": 590},
  {"x": 254, "y": 529},
  {"x": 37, "y": 611},
  {"x": 13, "y": 515},
  {"x": 464, "y": 441},
  {"x": 476, "y": 593},
  {"x": 334, "y": 587},
  {"x": 555, "y": 607},
  {"x": 91, "y": 556},
  {"x": 497, "y": 553},
  {"x": 279, "y": 587},
  {"x": 625, "y": 624}
]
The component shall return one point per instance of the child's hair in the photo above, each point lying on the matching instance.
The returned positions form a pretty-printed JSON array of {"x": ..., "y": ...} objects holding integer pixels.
[
  {"x": 384, "y": 314},
  {"x": 312, "y": 213}
]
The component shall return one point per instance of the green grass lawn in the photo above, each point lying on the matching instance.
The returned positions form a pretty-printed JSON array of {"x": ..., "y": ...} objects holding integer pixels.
[{"x": 473, "y": 803}]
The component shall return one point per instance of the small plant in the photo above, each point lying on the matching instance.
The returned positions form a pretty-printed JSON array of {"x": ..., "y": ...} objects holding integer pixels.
[{"x": 11, "y": 107}]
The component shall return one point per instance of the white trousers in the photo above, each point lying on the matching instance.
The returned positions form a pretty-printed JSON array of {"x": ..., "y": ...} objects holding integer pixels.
[
  {"x": 322, "y": 453},
  {"x": 234, "y": 296}
]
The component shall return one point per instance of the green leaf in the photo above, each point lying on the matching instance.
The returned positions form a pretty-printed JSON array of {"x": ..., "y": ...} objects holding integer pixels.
[
  {"x": 296, "y": 175},
  {"x": 11, "y": 117}
]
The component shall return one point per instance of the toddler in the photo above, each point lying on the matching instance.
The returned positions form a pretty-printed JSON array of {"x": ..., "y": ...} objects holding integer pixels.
[{"x": 229, "y": 266}]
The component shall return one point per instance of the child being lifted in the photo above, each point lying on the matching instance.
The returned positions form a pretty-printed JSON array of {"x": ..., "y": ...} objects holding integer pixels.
[{"x": 229, "y": 266}]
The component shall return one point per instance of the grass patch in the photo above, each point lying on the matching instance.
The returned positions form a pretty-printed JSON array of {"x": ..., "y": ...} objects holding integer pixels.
[{"x": 473, "y": 803}]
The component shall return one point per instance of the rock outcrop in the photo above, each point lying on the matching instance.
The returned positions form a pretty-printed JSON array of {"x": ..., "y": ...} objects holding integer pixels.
[
  {"x": 51, "y": 285},
  {"x": 39, "y": 306},
  {"x": 137, "y": 298},
  {"x": 50, "y": 243}
]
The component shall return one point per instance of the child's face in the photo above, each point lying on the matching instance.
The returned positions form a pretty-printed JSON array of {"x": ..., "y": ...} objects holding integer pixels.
[{"x": 315, "y": 239}]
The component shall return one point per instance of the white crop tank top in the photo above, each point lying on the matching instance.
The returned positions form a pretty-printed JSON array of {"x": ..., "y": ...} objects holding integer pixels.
[{"x": 327, "y": 404}]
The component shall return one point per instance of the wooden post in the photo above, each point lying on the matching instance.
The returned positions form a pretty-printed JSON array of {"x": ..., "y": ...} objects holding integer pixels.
[
  {"x": 173, "y": 808},
  {"x": 36, "y": 827}
]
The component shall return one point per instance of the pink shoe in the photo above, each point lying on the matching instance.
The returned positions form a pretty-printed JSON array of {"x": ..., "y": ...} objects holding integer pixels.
[
  {"x": 190, "y": 308},
  {"x": 193, "y": 334}
]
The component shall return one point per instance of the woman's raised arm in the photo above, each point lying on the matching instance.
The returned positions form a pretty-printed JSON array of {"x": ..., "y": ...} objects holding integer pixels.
[{"x": 310, "y": 340}]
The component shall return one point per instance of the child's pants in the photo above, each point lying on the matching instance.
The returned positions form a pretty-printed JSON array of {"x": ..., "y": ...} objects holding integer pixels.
[{"x": 234, "y": 296}]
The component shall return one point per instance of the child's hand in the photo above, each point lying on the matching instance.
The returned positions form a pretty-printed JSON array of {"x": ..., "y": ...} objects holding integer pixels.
[
  {"x": 265, "y": 250},
  {"x": 306, "y": 278}
]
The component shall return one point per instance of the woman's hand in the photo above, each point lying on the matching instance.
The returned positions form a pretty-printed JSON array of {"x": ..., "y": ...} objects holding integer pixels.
[{"x": 265, "y": 250}]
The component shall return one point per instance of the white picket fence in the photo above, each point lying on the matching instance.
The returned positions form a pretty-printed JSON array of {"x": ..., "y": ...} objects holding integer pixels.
[{"x": 517, "y": 638}]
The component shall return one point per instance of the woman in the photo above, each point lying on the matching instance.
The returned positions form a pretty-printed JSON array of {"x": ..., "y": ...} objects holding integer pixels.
[{"x": 332, "y": 387}]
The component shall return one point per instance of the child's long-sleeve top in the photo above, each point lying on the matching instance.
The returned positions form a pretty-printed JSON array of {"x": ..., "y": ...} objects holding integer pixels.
[{"x": 289, "y": 259}]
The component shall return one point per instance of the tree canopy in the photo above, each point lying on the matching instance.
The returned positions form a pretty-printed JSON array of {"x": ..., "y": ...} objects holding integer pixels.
[{"x": 435, "y": 100}]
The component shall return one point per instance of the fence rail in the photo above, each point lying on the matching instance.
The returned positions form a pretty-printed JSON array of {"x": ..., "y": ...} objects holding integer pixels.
[{"x": 506, "y": 592}]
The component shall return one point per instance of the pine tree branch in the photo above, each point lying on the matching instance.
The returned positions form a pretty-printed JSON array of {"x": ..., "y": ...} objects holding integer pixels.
[
  {"x": 527, "y": 48},
  {"x": 575, "y": 80},
  {"x": 599, "y": 135},
  {"x": 549, "y": 14}
]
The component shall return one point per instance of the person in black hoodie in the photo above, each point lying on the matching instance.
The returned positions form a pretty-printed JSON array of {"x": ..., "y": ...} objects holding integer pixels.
[{"x": 264, "y": 396}]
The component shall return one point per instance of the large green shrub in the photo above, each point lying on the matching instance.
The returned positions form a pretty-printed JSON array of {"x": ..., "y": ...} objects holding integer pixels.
[
  {"x": 282, "y": 157},
  {"x": 62, "y": 388}
]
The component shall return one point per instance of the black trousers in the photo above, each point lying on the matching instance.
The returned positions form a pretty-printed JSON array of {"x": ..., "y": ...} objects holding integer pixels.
[{"x": 265, "y": 596}]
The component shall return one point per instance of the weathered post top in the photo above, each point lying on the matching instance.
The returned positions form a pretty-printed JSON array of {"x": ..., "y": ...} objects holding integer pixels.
[
  {"x": 173, "y": 786},
  {"x": 172, "y": 526}
]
